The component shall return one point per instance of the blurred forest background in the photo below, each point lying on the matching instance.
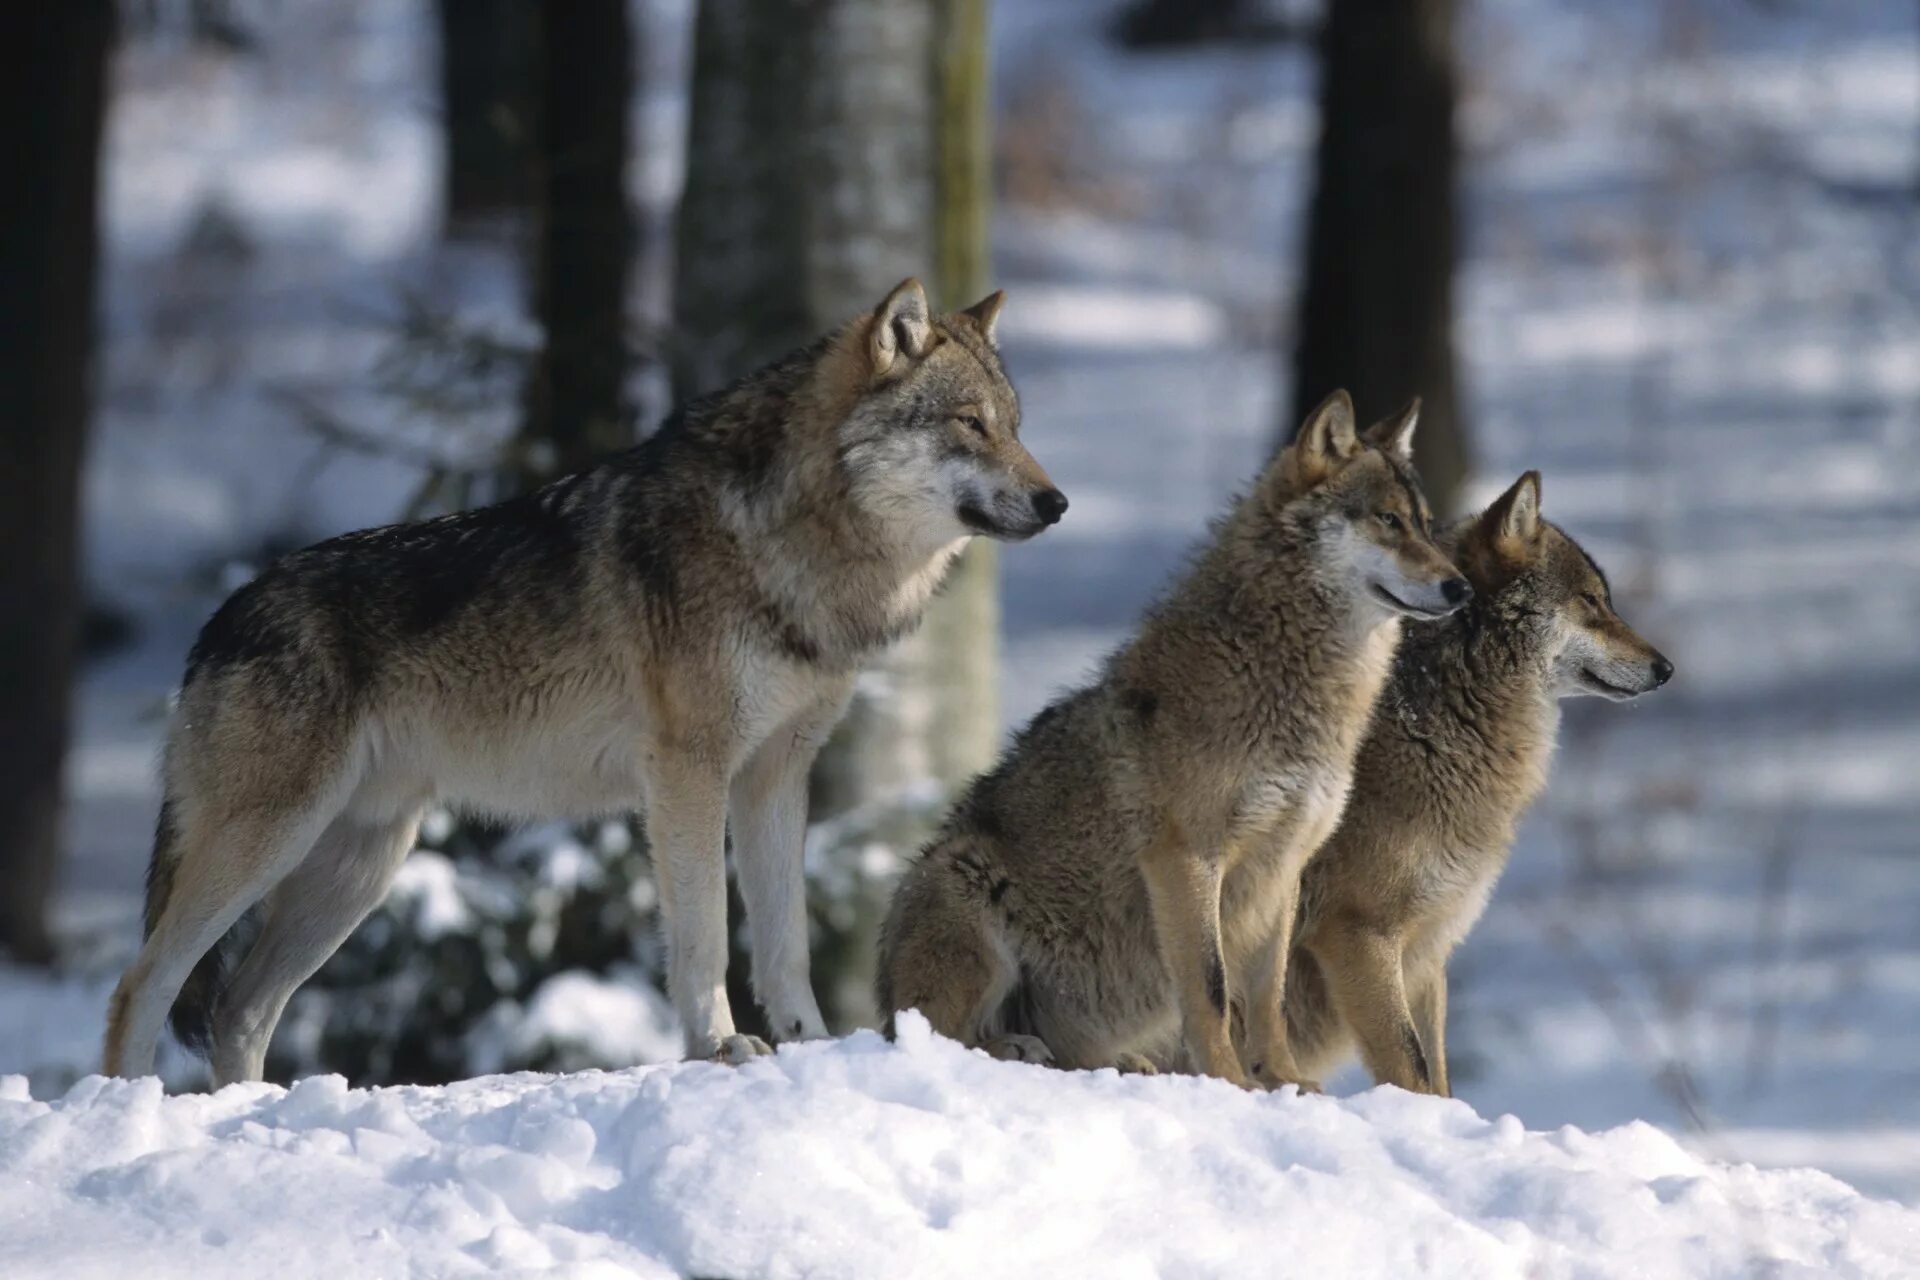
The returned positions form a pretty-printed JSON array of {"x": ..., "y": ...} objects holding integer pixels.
[{"x": 278, "y": 268}]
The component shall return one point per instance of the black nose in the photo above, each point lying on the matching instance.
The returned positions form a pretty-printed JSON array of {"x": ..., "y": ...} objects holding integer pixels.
[
  {"x": 1050, "y": 505},
  {"x": 1457, "y": 590},
  {"x": 1662, "y": 671}
]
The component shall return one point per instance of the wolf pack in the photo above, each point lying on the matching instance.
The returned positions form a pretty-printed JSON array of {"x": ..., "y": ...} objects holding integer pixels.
[{"x": 1246, "y": 848}]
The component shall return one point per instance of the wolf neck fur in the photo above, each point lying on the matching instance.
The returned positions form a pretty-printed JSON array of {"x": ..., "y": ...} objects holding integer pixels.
[
  {"x": 842, "y": 582},
  {"x": 1305, "y": 649},
  {"x": 1482, "y": 682}
]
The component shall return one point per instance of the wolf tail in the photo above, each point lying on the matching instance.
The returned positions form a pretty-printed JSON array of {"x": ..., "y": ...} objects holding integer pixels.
[{"x": 192, "y": 1014}]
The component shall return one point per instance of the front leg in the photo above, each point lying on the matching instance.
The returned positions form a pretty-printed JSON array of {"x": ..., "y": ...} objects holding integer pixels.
[
  {"x": 1269, "y": 1054},
  {"x": 1183, "y": 891},
  {"x": 686, "y": 834},
  {"x": 1363, "y": 970},
  {"x": 769, "y": 809}
]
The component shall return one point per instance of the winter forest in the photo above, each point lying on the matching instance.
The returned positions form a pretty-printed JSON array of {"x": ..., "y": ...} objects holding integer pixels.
[{"x": 276, "y": 270}]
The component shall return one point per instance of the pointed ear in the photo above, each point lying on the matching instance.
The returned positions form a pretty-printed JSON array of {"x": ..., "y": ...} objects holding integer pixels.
[
  {"x": 985, "y": 315},
  {"x": 1512, "y": 521},
  {"x": 1394, "y": 436},
  {"x": 902, "y": 327},
  {"x": 1326, "y": 440}
]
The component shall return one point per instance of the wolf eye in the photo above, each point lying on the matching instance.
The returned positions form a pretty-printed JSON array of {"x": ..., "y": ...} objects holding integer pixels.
[
  {"x": 1591, "y": 600},
  {"x": 1388, "y": 519},
  {"x": 971, "y": 421}
]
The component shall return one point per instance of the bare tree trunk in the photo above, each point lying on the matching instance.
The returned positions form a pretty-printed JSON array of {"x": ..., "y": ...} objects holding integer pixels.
[
  {"x": 740, "y": 298},
  {"x": 487, "y": 100},
  {"x": 809, "y": 179},
  {"x": 55, "y": 96},
  {"x": 576, "y": 398},
  {"x": 1376, "y": 314}
]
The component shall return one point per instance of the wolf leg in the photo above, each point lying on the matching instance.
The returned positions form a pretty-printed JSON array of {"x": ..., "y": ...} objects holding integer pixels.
[
  {"x": 938, "y": 953},
  {"x": 686, "y": 834},
  {"x": 226, "y": 862},
  {"x": 308, "y": 915},
  {"x": 769, "y": 812},
  {"x": 1363, "y": 971},
  {"x": 1430, "y": 1020},
  {"x": 1183, "y": 889},
  {"x": 1269, "y": 1048}
]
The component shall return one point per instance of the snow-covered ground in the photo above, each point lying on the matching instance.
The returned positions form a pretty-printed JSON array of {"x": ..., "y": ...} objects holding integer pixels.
[
  {"x": 1691, "y": 295},
  {"x": 863, "y": 1158}
]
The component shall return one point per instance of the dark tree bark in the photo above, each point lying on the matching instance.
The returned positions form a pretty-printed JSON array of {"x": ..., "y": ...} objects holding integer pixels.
[
  {"x": 739, "y": 293},
  {"x": 487, "y": 101},
  {"x": 54, "y": 100},
  {"x": 1376, "y": 314},
  {"x": 576, "y": 398},
  {"x": 1146, "y": 24}
]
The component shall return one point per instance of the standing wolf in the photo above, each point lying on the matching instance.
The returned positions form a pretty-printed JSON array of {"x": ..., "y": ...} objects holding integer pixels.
[
  {"x": 1458, "y": 749},
  {"x": 678, "y": 627},
  {"x": 1134, "y": 859}
]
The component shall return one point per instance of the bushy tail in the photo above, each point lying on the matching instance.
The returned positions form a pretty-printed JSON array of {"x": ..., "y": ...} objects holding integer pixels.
[{"x": 192, "y": 1014}]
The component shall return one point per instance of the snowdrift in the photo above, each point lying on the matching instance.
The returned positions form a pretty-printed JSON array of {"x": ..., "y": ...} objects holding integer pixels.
[{"x": 863, "y": 1158}]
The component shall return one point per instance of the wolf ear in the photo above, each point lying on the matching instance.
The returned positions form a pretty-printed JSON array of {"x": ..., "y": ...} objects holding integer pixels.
[
  {"x": 985, "y": 315},
  {"x": 1513, "y": 519},
  {"x": 1325, "y": 441},
  {"x": 902, "y": 326},
  {"x": 1394, "y": 436}
]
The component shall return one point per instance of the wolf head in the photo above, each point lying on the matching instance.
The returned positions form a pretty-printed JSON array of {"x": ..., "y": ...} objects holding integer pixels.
[
  {"x": 1515, "y": 557},
  {"x": 1361, "y": 489},
  {"x": 933, "y": 441}
]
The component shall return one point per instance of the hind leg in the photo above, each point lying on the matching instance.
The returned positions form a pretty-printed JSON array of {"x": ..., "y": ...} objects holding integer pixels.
[
  {"x": 1365, "y": 976},
  {"x": 1429, "y": 1005},
  {"x": 226, "y": 863},
  {"x": 308, "y": 916},
  {"x": 937, "y": 956}
]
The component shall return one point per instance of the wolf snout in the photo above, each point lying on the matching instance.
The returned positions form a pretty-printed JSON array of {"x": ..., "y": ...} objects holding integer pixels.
[
  {"x": 1662, "y": 670},
  {"x": 1049, "y": 505},
  {"x": 1457, "y": 591}
]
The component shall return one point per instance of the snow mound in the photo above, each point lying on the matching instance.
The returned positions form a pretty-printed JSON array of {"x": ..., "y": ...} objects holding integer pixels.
[{"x": 864, "y": 1158}]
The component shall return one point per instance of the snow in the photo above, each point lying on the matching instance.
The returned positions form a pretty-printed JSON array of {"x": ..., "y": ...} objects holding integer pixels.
[{"x": 861, "y": 1158}]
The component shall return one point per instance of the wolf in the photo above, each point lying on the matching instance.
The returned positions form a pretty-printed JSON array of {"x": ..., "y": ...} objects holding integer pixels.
[
  {"x": 675, "y": 630},
  {"x": 1130, "y": 863},
  {"x": 1459, "y": 747}
]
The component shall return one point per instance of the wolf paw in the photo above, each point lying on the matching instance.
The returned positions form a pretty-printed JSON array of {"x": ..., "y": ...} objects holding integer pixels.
[
  {"x": 737, "y": 1049},
  {"x": 1135, "y": 1064},
  {"x": 1019, "y": 1049},
  {"x": 1272, "y": 1083},
  {"x": 1268, "y": 1079}
]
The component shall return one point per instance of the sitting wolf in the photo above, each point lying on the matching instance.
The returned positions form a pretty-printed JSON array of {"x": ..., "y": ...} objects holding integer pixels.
[
  {"x": 1459, "y": 748},
  {"x": 677, "y": 628},
  {"x": 1132, "y": 862}
]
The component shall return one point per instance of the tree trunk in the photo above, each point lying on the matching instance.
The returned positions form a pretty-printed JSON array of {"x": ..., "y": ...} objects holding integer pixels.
[
  {"x": 740, "y": 294},
  {"x": 48, "y": 252},
  {"x": 577, "y": 406},
  {"x": 487, "y": 99},
  {"x": 1147, "y": 24},
  {"x": 835, "y": 149},
  {"x": 1376, "y": 314}
]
